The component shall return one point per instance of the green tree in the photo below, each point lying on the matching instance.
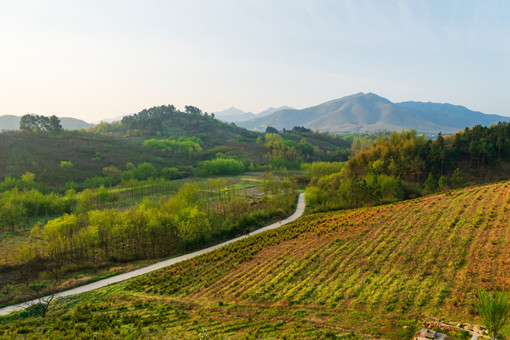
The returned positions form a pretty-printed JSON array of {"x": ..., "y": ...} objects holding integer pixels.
[
  {"x": 494, "y": 309},
  {"x": 457, "y": 181},
  {"x": 271, "y": 129},
  {"x": 193, "y": 110},
  {"x": 442, "y": 183},
  {"x": 194, "y": 226},
  {"x": 171, "y": 173},
  {"x": 12, "y": 212},
  {"x": 66, "y": 164},
  {"x": 113, "y": 173},
  {"x": 31, "y": 122},
  {"x": 145, "y": 171},
  {"x": 54, "y": 124},
  {"x": 28, "y": 180},
  {"x": 431, "y": 184}
]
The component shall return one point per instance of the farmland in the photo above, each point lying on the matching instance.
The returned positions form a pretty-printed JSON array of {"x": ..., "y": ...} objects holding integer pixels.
[{"x": 369, "y": 271}]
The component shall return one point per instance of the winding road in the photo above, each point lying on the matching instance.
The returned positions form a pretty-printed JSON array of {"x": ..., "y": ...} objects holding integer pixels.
[{"x": 118, "y": 278}]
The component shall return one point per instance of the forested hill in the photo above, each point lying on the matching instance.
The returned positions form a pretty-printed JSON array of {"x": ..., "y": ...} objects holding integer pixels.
[
  {"x": 408, "y": 165},
  {"x": 167, "y": 121},
  {"x": 170, "y": 141},
  {"x": 216, "y": 136}
]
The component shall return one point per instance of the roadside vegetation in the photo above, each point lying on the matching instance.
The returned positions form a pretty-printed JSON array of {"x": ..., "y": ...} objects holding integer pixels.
[{"x": 88, "y": 240}]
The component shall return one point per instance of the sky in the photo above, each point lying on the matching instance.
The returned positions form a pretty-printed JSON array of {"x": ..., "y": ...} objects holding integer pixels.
[{"x": 101, "y": 59}]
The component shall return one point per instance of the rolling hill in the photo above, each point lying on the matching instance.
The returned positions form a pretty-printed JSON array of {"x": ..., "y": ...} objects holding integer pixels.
[
  {"x": 371, "y": 271},
  {"x": 10, "y": 122},
  {"x": 41, "y": 154},
  {"x": 368, "y": 112}
]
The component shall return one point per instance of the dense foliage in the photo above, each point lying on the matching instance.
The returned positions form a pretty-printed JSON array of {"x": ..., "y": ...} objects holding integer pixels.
[
  {"x": 197, "y": 215},
  {"x": 184, "y": 145},
  {"x": 220, "y": 166},
  {"x": 406, "y": 165},
  {"x": 40, "y": 123}
]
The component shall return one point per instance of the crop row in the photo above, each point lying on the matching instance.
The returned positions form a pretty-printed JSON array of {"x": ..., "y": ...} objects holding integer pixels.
[{"x": 429, "y": 254}]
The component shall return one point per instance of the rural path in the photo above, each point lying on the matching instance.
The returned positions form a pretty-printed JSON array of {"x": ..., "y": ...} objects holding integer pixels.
[{"x": 118, "y": 278}]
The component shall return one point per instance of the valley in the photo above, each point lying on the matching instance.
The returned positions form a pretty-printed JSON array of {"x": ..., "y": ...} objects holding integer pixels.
[{"x": 397, "y": 227}]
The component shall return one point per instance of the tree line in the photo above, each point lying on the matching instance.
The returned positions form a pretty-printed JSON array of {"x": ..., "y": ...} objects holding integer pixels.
[
  {"x": 35, "y": 123},
  {"x": 407, "y": 165},
  {"x": 195, "y": 216}
]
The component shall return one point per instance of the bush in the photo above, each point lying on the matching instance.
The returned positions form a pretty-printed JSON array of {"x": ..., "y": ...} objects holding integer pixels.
[{"x": 220, "y": 166}]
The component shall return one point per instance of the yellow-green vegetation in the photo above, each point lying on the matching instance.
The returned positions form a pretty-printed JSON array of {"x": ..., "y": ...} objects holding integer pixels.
[
  {"x": 405, "y": 165},
  {"x": 371, "y": 271},
  {"x": 85, "y": 244}
]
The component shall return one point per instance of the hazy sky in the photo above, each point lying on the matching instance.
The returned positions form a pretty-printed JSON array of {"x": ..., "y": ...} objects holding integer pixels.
[{"x": 99, "y": 59}]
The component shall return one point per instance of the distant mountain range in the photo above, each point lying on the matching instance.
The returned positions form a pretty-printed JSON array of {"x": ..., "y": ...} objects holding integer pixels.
[
  {"x": 368, "y": 112},
  {"x": 358, "y": 113},
  {"x": 11, "y": 122},
  {"x": 236, "y": 115}
]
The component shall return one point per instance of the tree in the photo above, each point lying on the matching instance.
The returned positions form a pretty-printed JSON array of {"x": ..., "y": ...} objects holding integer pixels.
[
  {"x": 31, "y": 122},
  {"x": 271, "y": 129},
  {"x": 66, "y": 164},
  {"x": 43, "y": 304},
  {"x": 431, "y": 184},
  {"x": 417, "y": 166},
  {"x": 28, "y": 122},
  {"x": 442, "y": 183},
  {"x": 193, "y": 110},
  {"x": 113, "y": 173},
  {"x": 145, "y": 171},
  {"x": 54, "y": 124},
  {"x": 494, "y": 309},
  {"x": 194, "y": 226},
  {"x": 457, "y": 180}
]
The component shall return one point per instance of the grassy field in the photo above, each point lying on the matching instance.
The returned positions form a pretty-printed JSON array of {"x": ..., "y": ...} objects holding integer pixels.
[{"x": 370, "y": 271}]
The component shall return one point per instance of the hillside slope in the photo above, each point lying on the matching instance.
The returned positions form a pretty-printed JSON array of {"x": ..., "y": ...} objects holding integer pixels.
[
  {"x": 369, "y": 270},
  {"x": 454, "y": 116},
  {"x": 41, "y": 154}
]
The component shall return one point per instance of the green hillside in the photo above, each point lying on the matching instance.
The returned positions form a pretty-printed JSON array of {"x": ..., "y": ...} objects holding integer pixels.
[
  {"x": 371, "y": 271},
  {"x": 118, "y": 143},
  {"x": 42, "y": 153}
]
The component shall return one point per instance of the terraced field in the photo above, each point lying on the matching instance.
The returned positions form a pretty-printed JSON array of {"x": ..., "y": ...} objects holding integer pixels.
[{"x": 370, "y": 271}]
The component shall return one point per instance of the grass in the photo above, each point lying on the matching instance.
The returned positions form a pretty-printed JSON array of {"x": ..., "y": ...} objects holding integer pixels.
[{"x": 368, "y": 271}]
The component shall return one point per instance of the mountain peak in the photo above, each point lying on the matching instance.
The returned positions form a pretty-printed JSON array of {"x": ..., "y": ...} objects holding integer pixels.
[{"x": 368, "y": 112}]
